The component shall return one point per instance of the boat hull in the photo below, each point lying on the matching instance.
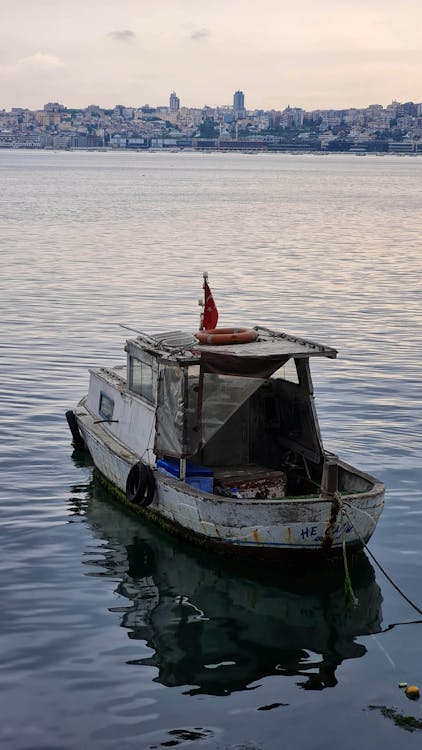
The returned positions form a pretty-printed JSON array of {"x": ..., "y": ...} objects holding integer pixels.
[{"x": 258, "y": 528}]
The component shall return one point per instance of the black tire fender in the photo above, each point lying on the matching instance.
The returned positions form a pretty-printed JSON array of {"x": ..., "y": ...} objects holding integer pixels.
[
  {"x": 140, "y": 485},
  {"x": 78, "y": 440}
]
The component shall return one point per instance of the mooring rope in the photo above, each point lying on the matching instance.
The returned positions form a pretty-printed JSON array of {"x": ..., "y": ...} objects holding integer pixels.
[
  {"x": 349, "y": 594},
  {"x": 388, "y": 577}
]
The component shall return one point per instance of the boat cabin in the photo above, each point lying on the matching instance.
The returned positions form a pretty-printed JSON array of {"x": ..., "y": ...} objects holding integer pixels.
[{"x": 235, "y": 420}]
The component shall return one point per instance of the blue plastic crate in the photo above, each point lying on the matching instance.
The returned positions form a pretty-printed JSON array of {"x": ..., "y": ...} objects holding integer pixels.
[
  {"x": 172, "y": 465},
  {"x": 205, "y": 484},
  {"x": 197, "y": 476}
]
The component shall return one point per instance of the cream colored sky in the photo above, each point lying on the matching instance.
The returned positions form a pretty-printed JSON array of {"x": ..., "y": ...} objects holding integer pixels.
[{"x": 329, "y": 53}]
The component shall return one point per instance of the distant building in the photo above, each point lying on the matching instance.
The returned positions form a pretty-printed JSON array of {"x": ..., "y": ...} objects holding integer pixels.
[
  {"x": 174, "y": 102},
  {"x": 54, "y": 107},
  {"x": 46, "y": 118},
  {"x": 239, "y": 104},
  {"x": 405, "y": 147},
  {"x": 7, "y": 140},
  {"x": 292, "y": 117},
  {"x": 61, "y": 141}
]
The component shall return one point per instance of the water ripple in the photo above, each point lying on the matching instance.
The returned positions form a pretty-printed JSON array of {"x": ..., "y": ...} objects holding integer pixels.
[{"x": 100, "y": 646}]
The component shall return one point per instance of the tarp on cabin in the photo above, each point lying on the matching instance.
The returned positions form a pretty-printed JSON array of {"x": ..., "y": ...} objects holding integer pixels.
[
  {"x": 248, "y": 367},
  {"x": 170, "y": 412},
  {"x": 183, "y": 425},
  {"x": 195, "y": 402}
]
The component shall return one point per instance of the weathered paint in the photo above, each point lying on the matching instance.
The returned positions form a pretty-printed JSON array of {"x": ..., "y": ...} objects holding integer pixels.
[
  {"x": 277, "y": 525},
  {"x": 133, "y": 418}
]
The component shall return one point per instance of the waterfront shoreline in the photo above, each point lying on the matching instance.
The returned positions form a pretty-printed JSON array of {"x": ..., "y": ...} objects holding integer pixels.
[{"x": 173, "y": 151}]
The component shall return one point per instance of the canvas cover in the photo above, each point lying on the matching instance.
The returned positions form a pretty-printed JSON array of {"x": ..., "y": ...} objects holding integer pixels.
[
  {"x": 170, "y": 412},
  {"x": 194, "y": 402},
  {"x": 249, "y": 367},
  {"x": 182, "y": 425}
]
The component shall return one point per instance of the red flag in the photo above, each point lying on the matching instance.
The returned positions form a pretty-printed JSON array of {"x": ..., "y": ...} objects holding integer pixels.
[{"x": 210, "y": 316}]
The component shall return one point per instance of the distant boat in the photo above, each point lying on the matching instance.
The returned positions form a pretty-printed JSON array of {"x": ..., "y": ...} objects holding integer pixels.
[{"x": 215, "y": 436}]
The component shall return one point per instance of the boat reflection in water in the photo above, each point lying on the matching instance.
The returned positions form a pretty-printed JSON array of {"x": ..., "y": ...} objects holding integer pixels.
[{"x": 220, "y": 626}]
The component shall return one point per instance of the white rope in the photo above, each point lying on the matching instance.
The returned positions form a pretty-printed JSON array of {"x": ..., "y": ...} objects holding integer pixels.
[
  {"x": 360, "y": 510},
  {"x": 382, "y": 649},
  {"x": 148, "y": 448}
]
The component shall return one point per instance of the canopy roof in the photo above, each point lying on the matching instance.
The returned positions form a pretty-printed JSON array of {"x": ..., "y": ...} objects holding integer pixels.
[{"x": 183, "y": 348}]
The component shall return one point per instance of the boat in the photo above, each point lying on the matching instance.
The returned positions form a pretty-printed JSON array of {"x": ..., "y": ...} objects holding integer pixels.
[{"x": 215, "y": 436}]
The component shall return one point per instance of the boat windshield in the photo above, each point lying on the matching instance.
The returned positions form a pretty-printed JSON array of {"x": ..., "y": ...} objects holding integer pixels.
[{"x": 223, "y": 396}]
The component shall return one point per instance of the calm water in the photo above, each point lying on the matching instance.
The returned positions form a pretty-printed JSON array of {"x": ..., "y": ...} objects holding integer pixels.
[{"x": 113, "y": 635}]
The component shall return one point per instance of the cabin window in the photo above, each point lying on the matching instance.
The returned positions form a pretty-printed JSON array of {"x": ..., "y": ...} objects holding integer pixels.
[
  {"x": 287, "y": 372},
  {"x": 106, "y": 406},
  {"x": 140, "y": 378}
]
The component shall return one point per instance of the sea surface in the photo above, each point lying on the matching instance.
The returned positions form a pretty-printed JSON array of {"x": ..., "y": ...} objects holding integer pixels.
[{"x": 112, "y": 634}]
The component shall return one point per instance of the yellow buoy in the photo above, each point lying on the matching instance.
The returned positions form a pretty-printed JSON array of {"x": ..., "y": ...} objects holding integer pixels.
[{"x": 412, "y": 691}]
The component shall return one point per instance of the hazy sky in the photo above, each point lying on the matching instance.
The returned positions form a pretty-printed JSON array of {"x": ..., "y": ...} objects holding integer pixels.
[{"x": 312, "y": 53}]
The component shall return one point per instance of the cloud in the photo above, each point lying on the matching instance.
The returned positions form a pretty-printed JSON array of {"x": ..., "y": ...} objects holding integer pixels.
[
  {"x": 41, "y": 60},
  {"x": 199, "y": 34},
  {"x": 124, "y": 35}
]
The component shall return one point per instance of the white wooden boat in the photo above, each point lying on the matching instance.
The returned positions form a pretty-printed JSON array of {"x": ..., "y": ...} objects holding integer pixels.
[{"x": 221, "y": 444}]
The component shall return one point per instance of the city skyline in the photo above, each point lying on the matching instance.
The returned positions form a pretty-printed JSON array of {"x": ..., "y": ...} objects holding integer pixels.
[
  {"x": 315, "y": 57},
  {"x": 396, "y": 128},
  {"x": 174, "y": 104}
]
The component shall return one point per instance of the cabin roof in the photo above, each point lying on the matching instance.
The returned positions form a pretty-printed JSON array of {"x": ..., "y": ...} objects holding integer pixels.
[{"x": 272, "y": 345}]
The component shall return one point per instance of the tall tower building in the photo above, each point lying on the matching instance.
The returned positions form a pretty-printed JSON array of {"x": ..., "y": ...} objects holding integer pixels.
[
  {"x": 174, "y": 102},
  {"x": 239, "y": 104}
]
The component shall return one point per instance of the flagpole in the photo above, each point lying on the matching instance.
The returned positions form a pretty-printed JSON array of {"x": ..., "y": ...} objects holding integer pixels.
[
  {"x": 201, "y": 322},
  {"x": 210, "y": 313}
]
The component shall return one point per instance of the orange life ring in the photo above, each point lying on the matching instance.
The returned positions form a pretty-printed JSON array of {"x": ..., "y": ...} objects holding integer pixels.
[{"x": 218, "y": 336}]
